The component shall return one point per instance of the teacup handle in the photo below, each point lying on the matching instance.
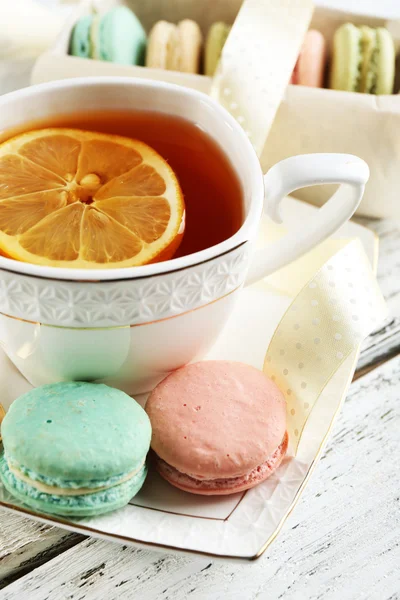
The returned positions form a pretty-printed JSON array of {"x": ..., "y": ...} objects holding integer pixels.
[{"x": 303, "y": 171}]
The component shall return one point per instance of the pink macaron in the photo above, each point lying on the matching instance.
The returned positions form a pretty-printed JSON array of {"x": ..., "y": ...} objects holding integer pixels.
[
  {"x": 310, "y": 65},
  {"x": 219, "y": 427}
]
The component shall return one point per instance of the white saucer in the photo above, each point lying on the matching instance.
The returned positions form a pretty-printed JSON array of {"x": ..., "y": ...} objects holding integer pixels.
[{"x": 242, "y": 525}]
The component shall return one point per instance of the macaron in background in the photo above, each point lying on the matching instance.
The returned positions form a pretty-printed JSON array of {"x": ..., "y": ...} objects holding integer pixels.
[
  {"x": 175, "y": 47},
  {"x": 310, "y": 66},
  {"x": 363, "y": 60},
  {"x": 115, "y": 36},
  {"x": 80, "y": 43},
  {"x": 119, "y": 37},
  {"x": 219, "y": 427},
  {"x": 162, "y": 48},
  {"x": 191, "y": 43},
  {"x": 216, "y": 38},
  {"x": 74, "y": 449}
]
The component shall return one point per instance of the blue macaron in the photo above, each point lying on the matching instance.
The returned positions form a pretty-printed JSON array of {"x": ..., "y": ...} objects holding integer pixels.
[{"x": 74, "y": 449}]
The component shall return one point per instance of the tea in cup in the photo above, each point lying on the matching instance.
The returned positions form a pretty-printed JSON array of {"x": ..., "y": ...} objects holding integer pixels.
[{"x": 131, "y": 325}]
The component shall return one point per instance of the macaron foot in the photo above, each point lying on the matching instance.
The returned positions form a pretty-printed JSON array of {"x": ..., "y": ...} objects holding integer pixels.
[{"x": 222, "y": 487}]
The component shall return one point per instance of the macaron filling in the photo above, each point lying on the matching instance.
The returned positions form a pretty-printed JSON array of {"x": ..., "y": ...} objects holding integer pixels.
[
  {"x": 358, "y": 72},
  {"x": 80, "y": 505},
  {"x": 366, "y": 74},
  {"x": 224, "y": 484},
  {"x": 68, "y": 488},
  {"x": 372, "y": 75},
  {"x": 67, "y": 483}
]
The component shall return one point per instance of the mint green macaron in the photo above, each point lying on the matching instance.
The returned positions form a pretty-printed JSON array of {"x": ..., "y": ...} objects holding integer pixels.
[
  {"x": 74, "y": 449},
  {"x": 80, "y": 43},
  {"x": 116, "y": 36}
]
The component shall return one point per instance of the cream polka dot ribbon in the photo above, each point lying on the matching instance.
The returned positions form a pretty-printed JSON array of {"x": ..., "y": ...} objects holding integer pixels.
[
  {"x": 257, "y": 62},
  {"x": 326, "y": 322}
]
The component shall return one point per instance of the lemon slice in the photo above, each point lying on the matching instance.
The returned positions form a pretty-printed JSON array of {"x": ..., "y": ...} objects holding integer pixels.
[{"x": 85, "y": 200}]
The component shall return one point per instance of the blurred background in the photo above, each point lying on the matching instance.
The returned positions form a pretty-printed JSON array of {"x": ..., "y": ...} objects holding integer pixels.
[{"x": 29, "y": 27}]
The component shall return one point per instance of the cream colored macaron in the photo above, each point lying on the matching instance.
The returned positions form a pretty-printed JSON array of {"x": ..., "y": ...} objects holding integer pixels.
[{"x": 175, "y": 47}]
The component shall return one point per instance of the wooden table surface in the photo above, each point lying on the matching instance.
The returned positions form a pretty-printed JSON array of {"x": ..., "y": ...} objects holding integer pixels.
[{"x": 342, "y": 541}]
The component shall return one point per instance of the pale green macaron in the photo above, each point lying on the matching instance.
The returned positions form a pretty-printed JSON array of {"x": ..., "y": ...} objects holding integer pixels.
[
  {"x": 74, "y": 449},
  {"x": 363, "y": 60},
  {"x": 216, "y": 39}
]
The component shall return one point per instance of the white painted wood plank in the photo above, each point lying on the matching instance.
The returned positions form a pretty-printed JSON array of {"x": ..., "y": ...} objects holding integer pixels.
[
  {"x": 388, "y": 232},
  {"x": 25, "y": 544},
  {"x": 385, "y": 342},
  {"x": 342, "y": 540}
]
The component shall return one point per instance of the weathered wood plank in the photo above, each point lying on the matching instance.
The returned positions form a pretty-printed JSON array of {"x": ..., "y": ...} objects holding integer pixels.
[
  {"x": 385, "y": 343},
  {"x": 388, "y": 232},
  {"x": 26, "y": 544},
  {"x": 342, "y": 540}
]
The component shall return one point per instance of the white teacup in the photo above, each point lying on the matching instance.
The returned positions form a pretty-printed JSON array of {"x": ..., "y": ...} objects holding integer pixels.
[{"x": 130, "y": 327}]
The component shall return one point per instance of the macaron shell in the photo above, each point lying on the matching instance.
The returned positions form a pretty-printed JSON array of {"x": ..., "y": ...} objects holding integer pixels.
[
  {"x": 222, "y": 487},
  {"x": 162, "y": 48},
  {"x": 311, "y": 63},
  {"x": 175, "y": 47},
  {"x": 216, "y": 419},
  {"x": 190, "y": 43},
  {"x": 73, "y": 506},
  {"x": 120, "y": 37},
  {"x": 346, "y": 58},
  {"x": 80, "y": 44},
  {"x": 385, "y": 62},
  {"x": 76, "y": 432},
  {"x": 216, "y": 39}
]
